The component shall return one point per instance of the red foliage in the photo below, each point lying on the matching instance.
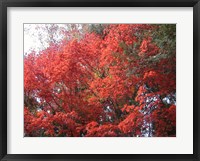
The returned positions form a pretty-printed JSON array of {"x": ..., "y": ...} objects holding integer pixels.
[{"x": 101, "y": 86}]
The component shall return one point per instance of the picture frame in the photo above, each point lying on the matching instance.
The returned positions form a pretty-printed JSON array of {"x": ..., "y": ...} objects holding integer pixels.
[{"x": 99, "y": 3}]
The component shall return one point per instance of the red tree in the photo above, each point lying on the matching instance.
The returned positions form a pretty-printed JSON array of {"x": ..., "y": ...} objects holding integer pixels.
[{"x": 118, "y": 82}]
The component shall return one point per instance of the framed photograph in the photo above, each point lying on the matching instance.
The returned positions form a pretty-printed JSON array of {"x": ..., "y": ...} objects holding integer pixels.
[{"x": 109, "y": 80}]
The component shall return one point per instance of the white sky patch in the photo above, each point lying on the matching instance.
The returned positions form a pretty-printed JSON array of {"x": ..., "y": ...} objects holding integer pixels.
[
  {"x": 31, "y": 39},
  {"x": 38, "y": 99},
  {"x": 37, "y": 36}
]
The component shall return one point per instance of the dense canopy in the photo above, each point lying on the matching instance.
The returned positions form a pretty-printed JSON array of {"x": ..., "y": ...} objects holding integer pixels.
[{"x": 103, "y": 80}]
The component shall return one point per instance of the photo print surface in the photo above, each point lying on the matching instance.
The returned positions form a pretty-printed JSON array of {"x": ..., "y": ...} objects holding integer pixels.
[{"x": 99, "y": 80}]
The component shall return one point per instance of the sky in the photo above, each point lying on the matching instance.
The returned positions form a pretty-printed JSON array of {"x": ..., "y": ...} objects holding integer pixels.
[{"x": 37, "y": 37}]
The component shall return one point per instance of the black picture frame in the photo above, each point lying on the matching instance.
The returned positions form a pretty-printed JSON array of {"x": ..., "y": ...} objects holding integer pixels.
[{"x": 4, "y": 4}]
